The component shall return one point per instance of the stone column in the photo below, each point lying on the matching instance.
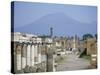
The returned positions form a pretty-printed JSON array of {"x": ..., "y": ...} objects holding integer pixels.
[
  {"x": 39, "y": 53},
  {"x": 32, "y": 55},
  {"x": 35, "y": 54},
  {"x": 24, "y": 55},
  {"x": 74, "y": 44},
  {"x": 49, "y": 53},
  {"x": 54, "y": 68},
  {"x": 28, "y": 55},
  {"x": 18, "y": 56}
]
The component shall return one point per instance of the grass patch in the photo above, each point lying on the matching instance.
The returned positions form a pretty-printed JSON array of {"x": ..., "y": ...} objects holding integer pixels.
[{"x": 88, "y": 57}]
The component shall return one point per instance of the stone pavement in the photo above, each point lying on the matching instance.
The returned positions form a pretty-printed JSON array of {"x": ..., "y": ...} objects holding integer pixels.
[{"x": 72, "y": 62}]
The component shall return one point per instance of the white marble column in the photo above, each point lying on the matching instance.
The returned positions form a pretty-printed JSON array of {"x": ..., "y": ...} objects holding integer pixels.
[
  {"x": 28, "y": 54},
  {"x": 32, "y": 55},
  {"x": 35, "y": 54},
  {"x": 39, "y": 54},
  {"x": 24, "y": 56},
  {"x": 39, "y": 58},
  {"x": 54, "y": 64},
  {"x": 74, "y": 43}
]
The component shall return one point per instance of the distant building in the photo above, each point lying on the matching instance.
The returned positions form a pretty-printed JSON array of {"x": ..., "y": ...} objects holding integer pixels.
[
  {"x": 60, "y": 42},
  {"x": 89, "y": 45}
]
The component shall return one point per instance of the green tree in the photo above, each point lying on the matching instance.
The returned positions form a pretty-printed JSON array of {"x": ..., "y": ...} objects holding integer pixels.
[
  {"x": 86, "y": 36},
  {"x": 96, "y": 36}
]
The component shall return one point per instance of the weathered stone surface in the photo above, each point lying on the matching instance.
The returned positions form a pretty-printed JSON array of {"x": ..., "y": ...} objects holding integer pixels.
[
  {"x": 32, "y": 69},
  {"x": 26, "y": 70}
]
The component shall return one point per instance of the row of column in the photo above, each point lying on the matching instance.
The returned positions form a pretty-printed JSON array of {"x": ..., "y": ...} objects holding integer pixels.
[{"x": 27, "y": 55}]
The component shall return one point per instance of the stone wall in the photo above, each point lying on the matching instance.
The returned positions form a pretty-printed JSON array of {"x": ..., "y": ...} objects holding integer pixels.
[{"x": 91, "y": 46}]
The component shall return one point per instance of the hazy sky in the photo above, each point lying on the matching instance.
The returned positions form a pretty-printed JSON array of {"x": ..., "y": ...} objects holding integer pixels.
[{"x": 26, "y": 13}]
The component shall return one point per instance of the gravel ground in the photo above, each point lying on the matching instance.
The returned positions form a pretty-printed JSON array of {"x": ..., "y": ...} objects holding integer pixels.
[{"x": 72, "y": 62}]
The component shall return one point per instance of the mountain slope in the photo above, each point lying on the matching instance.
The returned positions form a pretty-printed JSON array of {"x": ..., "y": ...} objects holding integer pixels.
[{"x": 61, "y": 23}]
